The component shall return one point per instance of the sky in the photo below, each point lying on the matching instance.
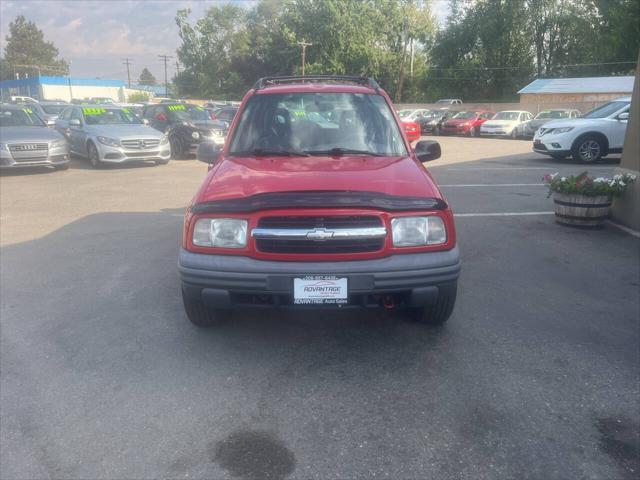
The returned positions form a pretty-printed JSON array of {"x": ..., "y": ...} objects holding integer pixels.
[{"x": 96, "y": 35}]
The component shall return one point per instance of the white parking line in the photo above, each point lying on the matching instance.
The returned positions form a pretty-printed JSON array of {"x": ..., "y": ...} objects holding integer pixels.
[
  {"x": 502, "y": 214},
  {"x": 495, "y": 185}
]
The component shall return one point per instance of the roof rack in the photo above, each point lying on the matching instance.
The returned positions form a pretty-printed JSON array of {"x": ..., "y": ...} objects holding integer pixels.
[{"x": 267, "y": 81}]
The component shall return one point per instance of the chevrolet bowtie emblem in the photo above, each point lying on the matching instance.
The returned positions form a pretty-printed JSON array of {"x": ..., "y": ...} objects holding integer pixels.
[{"x": 319, "y": 234}]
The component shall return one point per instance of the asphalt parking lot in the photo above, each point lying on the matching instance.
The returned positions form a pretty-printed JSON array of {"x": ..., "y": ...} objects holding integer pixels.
[{"x": 535, "y": 375}]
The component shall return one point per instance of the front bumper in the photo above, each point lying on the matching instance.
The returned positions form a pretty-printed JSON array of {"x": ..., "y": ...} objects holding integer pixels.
[
  {"x": 555, "y": 145},
  {"x": 109, "y": 154},
  {"x": 456, "y": 130},
  {"x": 54, "y": 157},
  {"x": 496, "y": 132},
  {"x": 225, "y": 281},
  {"x": 193, "y": 147}
]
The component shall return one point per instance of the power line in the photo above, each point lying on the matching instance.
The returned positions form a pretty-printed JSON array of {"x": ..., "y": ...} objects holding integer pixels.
[
  {"x": 126, "y": 61},
  {"x": 304, "y": 46},
  {"x": 165, "y": 59},
  {"x": 523, "y": 67}
]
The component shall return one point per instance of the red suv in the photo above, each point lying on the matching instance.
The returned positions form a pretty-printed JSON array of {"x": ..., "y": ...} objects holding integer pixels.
[
  {"x": 466, "y": 123},
  {"x": 318, "y": 200}
]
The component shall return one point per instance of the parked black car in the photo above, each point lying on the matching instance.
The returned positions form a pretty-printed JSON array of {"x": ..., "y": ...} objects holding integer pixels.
[
  {"x": 186, "y": 126},
  {"x": 226, "y": 114},
  {"x": 431, "y": 124}
]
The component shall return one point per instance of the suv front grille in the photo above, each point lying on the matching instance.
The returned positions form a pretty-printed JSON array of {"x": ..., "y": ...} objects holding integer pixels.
[{"x": 320, "y": 234}]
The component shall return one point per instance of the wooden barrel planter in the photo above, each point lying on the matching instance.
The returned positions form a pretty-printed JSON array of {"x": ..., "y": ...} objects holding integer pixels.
[{"x": 580, "y": 210}]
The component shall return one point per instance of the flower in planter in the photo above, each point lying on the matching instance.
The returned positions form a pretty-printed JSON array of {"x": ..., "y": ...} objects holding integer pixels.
[{"x": 583, "y": 184}]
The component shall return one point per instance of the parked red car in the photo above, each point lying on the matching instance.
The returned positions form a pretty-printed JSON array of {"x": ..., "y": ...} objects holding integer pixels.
[
  {"x": 466, "y": 123},
  {"x": 412, "y": 130},
  {"x": 313, "y": 213}
]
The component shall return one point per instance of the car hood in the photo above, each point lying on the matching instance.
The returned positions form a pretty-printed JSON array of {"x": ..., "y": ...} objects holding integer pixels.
[
  {"x": 237, "y": 177},
  {"x": 500, "y": 123},
  {"x": 124, "y": 131},
  {"x": 459, "y": 121},
  {"x": 574, "y": 122},
  {"x": 28, "y": 134},
  {"x": 538, "y": 123}
]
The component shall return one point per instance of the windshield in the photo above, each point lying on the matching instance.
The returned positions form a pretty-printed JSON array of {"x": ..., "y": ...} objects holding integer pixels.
[
  {"x": 506, "y": 116},
  {"x": 179, "y": 113},
  {"x": 53, "y": 109},
  {"x": 552, "y": 114},
  {"x": 198, "y": 113},
  {"x": 318, "y": 123},
  {"x": 606, "y": 110},
  {"x": 465, "y": 115},
  {"x": 404, "y": 113},
  {"x": 109, "y": 116},
  {"x": 20, "y": 118}
]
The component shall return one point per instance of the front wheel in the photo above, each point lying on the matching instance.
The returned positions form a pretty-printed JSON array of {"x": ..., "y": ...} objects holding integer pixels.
[
  {"x": 201, "y": 316},
  {"x": 177, "y": 151},
  {"x": 588, "y": 149},
  {"x": 94, "y": 156},
  {"x": 162, "y": 162},
  {"x": 438, "y": 313},
  {"x": 64, "y": 166},
  {"x": 514, "y": 134}
]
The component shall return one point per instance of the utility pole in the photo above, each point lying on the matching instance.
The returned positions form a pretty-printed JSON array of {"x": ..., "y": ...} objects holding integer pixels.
[
  {"x": 304, "y": 46},
  {"x": 127, "y": 61},
  {"x": 165, "y": 59}
]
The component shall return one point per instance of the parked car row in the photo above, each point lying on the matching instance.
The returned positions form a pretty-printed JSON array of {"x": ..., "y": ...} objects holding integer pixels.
[{"x": 104, "y": 133}]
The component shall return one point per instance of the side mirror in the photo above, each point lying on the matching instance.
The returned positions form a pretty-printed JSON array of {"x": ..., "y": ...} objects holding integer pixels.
[
  {"x": 208, "y": 152},
  {"x": 74, "y": 122},
  {"x": 623, "y": 116},
  {"x": 427, "y": 150}
]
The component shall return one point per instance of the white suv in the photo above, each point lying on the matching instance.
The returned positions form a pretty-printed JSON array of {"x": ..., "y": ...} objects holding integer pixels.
[{"x": 589, "y": 138}]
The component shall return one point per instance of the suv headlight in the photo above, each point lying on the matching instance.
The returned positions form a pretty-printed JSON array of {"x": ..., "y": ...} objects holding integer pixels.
[
  {"x": 59, "y": 143},
  {"x": 562, "y": 130},
  {"x": 417, "y": 231},
  {"x": 112, "y": 142},
  {"x": 164, "y": 140},
  {"x": 220, "y": 232}
]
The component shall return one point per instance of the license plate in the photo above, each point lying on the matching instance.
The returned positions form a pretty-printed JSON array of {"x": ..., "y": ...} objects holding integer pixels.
[{"x": 319, "y": 289}]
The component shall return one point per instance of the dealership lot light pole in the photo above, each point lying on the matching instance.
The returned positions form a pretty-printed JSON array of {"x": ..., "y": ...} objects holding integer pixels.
[{"x": 165, "y": 59}]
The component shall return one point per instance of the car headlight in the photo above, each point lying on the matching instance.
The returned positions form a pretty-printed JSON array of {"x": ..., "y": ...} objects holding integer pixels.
[
  {"x": 195, "y": 135},
  {"x": 164, "y": 140},
  {"x": 220, "y": 232},
  {"x": 59, "y": 143},
  {"x": 112, "y": 142},
  {"x": 417, "y": 231},
  {"x": 562, "y": 130}
]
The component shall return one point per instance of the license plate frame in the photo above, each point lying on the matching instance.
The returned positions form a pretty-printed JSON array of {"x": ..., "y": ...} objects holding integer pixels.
[{"x": 320, "y": 290}]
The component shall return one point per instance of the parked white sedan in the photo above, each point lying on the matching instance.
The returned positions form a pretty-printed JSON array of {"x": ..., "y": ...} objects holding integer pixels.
[{"x": 505, "y": 124}]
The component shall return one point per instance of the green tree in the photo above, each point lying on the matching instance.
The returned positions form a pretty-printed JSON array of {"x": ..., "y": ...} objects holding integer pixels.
[
  {"x": 26, "y": 46},
  {"x": 138, "y": 97},
  {"x": 146, "y": 77}
]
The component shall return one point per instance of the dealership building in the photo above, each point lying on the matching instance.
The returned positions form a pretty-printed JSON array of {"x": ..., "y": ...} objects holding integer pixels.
[{"x": 67, "y": 88}]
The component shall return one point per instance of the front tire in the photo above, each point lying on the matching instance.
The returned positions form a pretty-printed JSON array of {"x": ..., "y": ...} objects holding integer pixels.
[
  {"x": 162, "y": 162},
  {"x": 201, "y": 316},
  {"x": 177, "y": 150},
  {"x": 94, "y": 156},
  {"x": 589, "y": 149},
  {"x": 64, "y": 166},
  {"x": 438, "y": 313}
]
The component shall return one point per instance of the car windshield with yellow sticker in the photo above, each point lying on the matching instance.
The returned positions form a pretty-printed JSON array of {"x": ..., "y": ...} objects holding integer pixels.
[
  {"x": 109, "y": 116},
  {"x": 24, "y": 117}
]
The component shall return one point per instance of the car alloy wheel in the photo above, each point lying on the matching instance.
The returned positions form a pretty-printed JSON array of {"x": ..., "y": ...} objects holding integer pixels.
[
  {"x": 94, "y": 156},
  {"x": 176, "y": 147},
  {"x": 589, "y": 150}
]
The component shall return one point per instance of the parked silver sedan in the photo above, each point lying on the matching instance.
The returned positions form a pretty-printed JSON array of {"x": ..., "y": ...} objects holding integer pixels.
[
  {"x": 25, "y": 141},
  {"x": 111, "y": 134}
]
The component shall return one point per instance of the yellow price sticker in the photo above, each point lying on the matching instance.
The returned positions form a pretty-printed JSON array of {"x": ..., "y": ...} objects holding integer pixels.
[{"x": 93, "y": 111}]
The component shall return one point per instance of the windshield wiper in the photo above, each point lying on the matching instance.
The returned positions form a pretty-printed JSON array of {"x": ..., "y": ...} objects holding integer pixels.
[
  {"x": 338, "y": 152},
  {"x": 261, "y": 152}
]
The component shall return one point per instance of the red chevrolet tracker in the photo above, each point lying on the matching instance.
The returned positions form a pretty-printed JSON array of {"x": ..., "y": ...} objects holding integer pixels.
[{"x": 318, "y": 200}]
